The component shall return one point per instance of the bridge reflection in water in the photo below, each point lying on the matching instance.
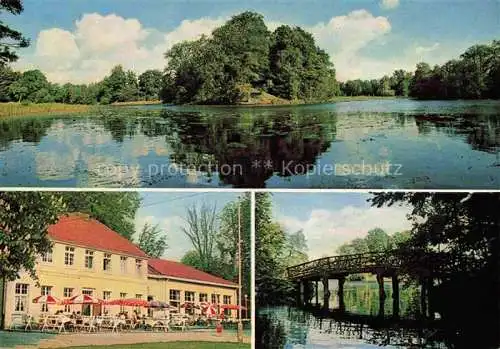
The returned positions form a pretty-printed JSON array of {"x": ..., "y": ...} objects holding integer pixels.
[
  {"x": 313, "y": 326},
  {"x": 309, "y": 275}
]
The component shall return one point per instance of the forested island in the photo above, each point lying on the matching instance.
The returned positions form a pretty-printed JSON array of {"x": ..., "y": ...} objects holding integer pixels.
[{"x": 243, "y": 62}]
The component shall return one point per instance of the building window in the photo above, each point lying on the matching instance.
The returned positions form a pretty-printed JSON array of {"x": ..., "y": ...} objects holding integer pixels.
[
  {"x": 89, "y": 259},
  {"x": 203, "y": 297},
  {"x": 106, "y": 295},
  {"x": 138, "y": 266},
  {"x": 106, "y": 265},
  {"x": 123, "y": 264},
  {"x": 47, "y": 257},
  {"x": 215, "y": 298},
  {"x": 69, "y": 256},
  {"x": 88, "y": 291},
  {"x": 189, "y": 296},
  {"x": 175, "y": 298},
  {"x": 87, "y": 308},
  {"x": 122, "y": 295},
  {"x": 45, "y": 291},
  {"x": 227, "y": 300},
  {"x": 21, "y": 297},
  {"x": 67, "y": 292}
]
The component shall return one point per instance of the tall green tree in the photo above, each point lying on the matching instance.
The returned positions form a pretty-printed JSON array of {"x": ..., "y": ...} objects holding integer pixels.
[
  {"x": 116, "y": 210},
  {"x": 7, "y": 78},
  {"x": 458, "y": 235},
  {"x": 25, "y": 217},
  {"x": 152, "y": 240},
  {"x": 295, "y": 249},
  {"x": 32, "y": 86},
  {"x": 299, "y": 69},
  {"x": 201, "y": 229},
  {"x": 227, "y": 240},
  {"x": 244, "y": 40},
  {"x": 150, "y": 84},
  {"x": 271, "y": 283},
  {"x": 10, "y": 39}
]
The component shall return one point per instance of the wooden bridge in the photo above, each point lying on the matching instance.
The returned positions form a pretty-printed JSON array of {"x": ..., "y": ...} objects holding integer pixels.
[{"x": 382, "y": 264}]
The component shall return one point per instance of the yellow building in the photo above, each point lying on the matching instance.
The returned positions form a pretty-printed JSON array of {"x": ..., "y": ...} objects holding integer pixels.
[{"x": 89, "y": 258}]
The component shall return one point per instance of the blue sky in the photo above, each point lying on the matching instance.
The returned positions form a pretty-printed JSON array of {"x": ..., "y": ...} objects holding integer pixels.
[
  {"x": 330, "y": 219},
  {"x": 81, "y": 40},
  {"x": 168, "y": 210}
]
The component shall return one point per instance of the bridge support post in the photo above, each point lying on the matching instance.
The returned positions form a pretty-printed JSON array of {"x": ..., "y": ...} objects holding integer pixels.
[
  {"x": 395, "y": 295},
  {"x": 340, "y": 293},
  {"x": 381, "y": 294},
  {"x": 316, "y": 289},
  {"x": 326, "y": 293},
  {"x": 423, "y": 298},
  {"x": 308, "y": 292},
  {"x": 301, "y": 293}
]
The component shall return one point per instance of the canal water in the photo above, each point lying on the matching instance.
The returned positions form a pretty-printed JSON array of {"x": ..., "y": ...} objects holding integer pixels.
[
  {"x": 371, "y": 144},
  {"x": 291, "y": 327}
]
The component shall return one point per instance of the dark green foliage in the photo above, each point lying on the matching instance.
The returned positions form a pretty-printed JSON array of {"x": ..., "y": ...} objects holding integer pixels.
[
  {"x": 7, "y": 78},
  {"x": 458, "y": 234},
  {"x": 271, "y": 284},
  {"x": 10, "y": 39},
  {"x": 243, "y": 54},
  {"x": 150, "y": 84},
  {"x": 152, "y": 240},
  {"x": 475, "y": 75},
  {"x": 115, "y": 210},
  {"x": 377, "y": 240},
  {"x": 31, "y": 86},
  {"x": 299, "y": 69},
  {"x": 25, "y": 217}
]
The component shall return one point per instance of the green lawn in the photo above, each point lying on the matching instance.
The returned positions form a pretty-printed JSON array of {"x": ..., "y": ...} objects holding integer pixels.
[{"x": 173, "y": 345}]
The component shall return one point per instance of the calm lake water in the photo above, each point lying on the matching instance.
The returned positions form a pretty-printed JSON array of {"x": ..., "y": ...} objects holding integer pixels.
[
  {"x": 293, "y": 328},
  {"x": 370, "y": 144}
]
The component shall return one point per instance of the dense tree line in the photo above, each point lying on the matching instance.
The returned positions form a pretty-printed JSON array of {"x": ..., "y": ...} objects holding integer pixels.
[
  {"x": 475, "y": 75},
  {"x": 243, "y": 57},
  {"x": 396, "y": 85},
  {"x": 377, "y": 240},
  {"x": 119, "y": 86}
]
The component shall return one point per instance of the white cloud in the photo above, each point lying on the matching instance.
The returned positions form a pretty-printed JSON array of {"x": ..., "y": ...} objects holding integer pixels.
[
  {"x": 326, "y": 230},
  {"x": 423, "y": 49},
  {"x": 389, "y": 4},
  {"x": 100, "y": 42}
]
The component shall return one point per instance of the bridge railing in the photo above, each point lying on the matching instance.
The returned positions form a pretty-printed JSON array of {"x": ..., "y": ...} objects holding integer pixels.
[{"x": 344, "y": 264}]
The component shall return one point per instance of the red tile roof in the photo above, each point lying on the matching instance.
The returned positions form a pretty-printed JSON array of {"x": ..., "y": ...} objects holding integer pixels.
[
  {"x": 81, "y": 230},
  {"x": 182, "y": 271}
]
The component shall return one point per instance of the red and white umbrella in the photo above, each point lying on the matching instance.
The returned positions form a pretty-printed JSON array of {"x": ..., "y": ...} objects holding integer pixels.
[
  {"x": 46, "y": 299},
  {"x": 232, "y": 307},
  {"x": 209, "y": 309},
  {"x": 190, "y": 305},
  {"x": 128, "y": 302},
  {"x": 82, "y": 299}
]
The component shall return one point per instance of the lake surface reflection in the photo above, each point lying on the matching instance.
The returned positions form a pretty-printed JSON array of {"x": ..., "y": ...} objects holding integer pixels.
[{"x": 373, "y": 144}]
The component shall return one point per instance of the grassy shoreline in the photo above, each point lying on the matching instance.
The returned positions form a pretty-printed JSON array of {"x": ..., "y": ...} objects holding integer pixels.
[
  {"x": 171, "y": 345},
  {"x": 12, "y": 109},
  {"x": 17, "y": 109}
]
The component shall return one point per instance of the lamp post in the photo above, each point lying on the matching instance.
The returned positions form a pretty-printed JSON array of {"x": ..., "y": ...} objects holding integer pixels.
[
  {"x": 240, "y": 325},
  {"x": 246, "y": 306}
]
